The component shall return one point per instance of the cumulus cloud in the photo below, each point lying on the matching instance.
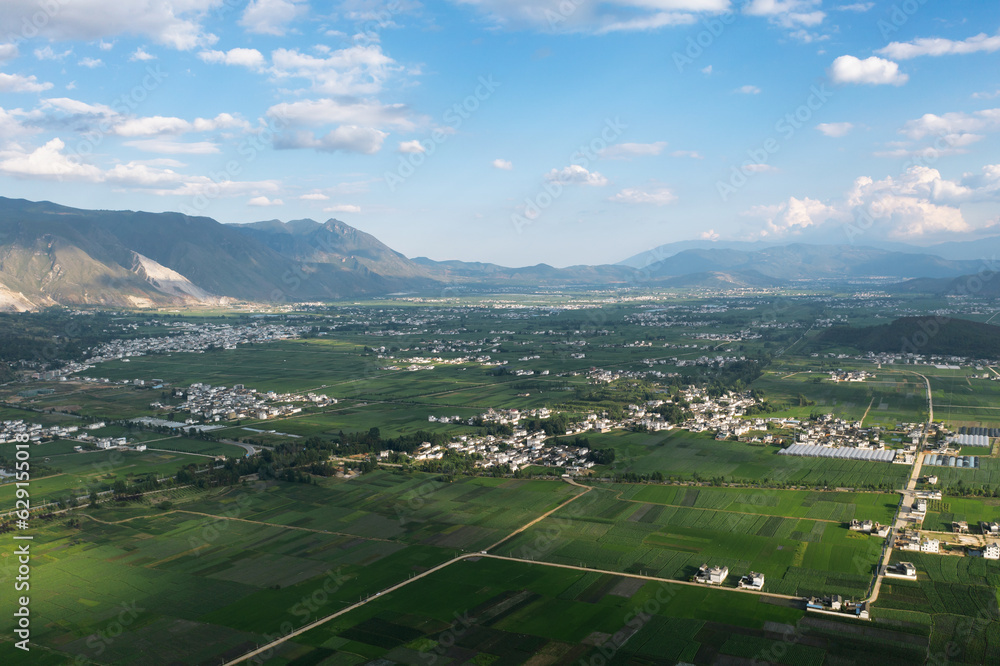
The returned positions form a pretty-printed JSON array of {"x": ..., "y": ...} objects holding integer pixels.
[
  {"x": 939, "y": 46},
  {"x": 48, "y": 53},
  {"x": 918, "y": 203},
  {"x": 8, "y": 52},
  {"x": 250, "y": 58},
  {"x": 748, "y": 90},
  {"x": 870, "y": 71},
  {"x": 49, "y": 162},
  {"x": 160, "y": 125},
  {"x": 356, "y": 70},
  {"x": 90, "y": 63},
  {"x": 835, "y": 130},
  {"x": 660, "y": 196},
  {"x": 264, "y": 201},
  {"x": 413, "y": 146},
  {"x": 624, "y": 151},
  {"x": 342, "y": 208},
  {"x": 271, "y": 17},
  {"x": 795, "y": 15},
  {"x": 574, "y": 174},
  {"x": 17, "y": 83},
  {"x": 141, "y": 55},
  {"x": 929, "y": 124},
  {"x": 314, "y": 196},
  {"x": 504, "y": 165}
]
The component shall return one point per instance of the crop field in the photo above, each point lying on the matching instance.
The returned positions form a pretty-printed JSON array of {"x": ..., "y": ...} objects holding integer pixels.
[
  {"x": 957, "y": 596},
  {"x": 227, "y": 563},
  {"x": 837, "y": 506},
  {"x": 799, "y": 556},
  {"x": 985, "y": 478},
  {"x": 940, "y": 514},
  {"x": 685, "y": 455},
  {"x": 492, "y": 611},
  {"x": 79, "y": 473}
]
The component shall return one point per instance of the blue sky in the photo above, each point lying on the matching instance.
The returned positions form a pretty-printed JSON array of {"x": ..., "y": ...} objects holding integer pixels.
[{"x": 556, "y": 131}]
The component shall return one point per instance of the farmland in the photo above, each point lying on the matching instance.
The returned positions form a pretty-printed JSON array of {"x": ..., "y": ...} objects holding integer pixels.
[{"x": 252, "y": 547}]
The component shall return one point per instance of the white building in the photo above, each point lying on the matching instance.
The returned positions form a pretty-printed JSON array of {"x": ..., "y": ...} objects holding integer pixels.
[{"x": 930, "y": 546}]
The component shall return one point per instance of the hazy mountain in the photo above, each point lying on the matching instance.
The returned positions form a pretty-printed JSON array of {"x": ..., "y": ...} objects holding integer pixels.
[
  {"x": 800, "y": 261},
  {"x": 985, "y": 284}
]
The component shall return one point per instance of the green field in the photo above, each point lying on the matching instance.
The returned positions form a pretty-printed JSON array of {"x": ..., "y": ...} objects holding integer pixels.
[{"x": 800, "y": 542}]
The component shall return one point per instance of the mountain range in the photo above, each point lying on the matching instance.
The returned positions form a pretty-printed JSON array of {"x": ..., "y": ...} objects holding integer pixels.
[{"x": 57, "y": 255}]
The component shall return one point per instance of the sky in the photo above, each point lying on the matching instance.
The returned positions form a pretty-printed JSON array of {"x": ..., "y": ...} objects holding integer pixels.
[{"x": 515, "y": 131}]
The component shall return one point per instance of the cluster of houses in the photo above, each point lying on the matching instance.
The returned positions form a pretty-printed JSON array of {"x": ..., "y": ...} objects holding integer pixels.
[
  {"x": 19, "y": 430},
  {"x": 850, "y": 375},
  {"x": 218, "y": 403},
  {"x": 836, "y": 605},
  {"x": 195, "y": 338},
  {"x": 869, "y": 527},
  {"x": 519, "y": 450}
]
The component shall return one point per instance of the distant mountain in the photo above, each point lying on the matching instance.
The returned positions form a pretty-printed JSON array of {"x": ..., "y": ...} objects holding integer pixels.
[
  {"x": 920, "y": 335},
  {"x": 984, "y": 284},
  {"x": 332, "y": 242},
  {"x": 661, "y": 252},
  {"x": 485, "y": 273},
  {"x": 749, "y": 279},
  {"x": 53, "y": 254},
  {"x": 807, "y": 262}
]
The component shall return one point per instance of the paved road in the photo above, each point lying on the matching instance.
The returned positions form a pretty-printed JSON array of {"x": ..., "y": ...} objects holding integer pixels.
[{"x": 908, "y": 496}]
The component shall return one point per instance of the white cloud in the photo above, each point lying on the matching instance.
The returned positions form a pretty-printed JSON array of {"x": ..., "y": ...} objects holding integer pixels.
[
  {"x": 169, "y": 147},
  {"x": 574, "y": 174},
  {"x": 646, "y": 23},
  {"x": 319, "y": 112},
  {"x": 503, "y": 165},
  {"x": 106, "y": 46},
  {"x": 48, "y": 162},
  {"x": 790, "y": 14},
  {"x": 17, "y": 83},
  {"x": 748, "y": 90},
  {"x": 91, "y": 63},
  {"x": 985, "y": 120},
  {"x": 938, "y": 46},
  {"x": 346, "y": 138},
  {"x": 870, "y": 71},
  {"x": 250, "y": 58},
  {"x": 986, "y": 95},
  {"x": 759, "y": 168},
  {"x": 919, "y": 203},
  {"x": 413, "y": 146},
  {"x": 706, "y": 70},
  {"x": 314, "y": 196},
  {"x": 157, "y": 125},
  {"x": 356, "y": 70},
  {"x": 264, "y": 201},
  {"x": 342, "y": 208},
  {"x": 174, "y": 23},
  {"x": 856, "y": 7},
  {"x": 141, "y": 55},
  {"x": 46, "y": 53},
  {"x": 271, "y": 17},
  {"x": 8, "y": 52},
  {"x": 659, "y": 196},
  {"x": 560, "y": 16},
  {"x": 76, "y": 107},
  {"x": 835, "y": 130},
  {"x": 711, "y": 234},
  {"x": 624, "y": 151},
  {"x": 693, "y": 154}
]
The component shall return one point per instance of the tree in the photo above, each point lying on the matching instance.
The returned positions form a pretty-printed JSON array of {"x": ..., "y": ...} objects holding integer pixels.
[{"x": 93, "y": 498}]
